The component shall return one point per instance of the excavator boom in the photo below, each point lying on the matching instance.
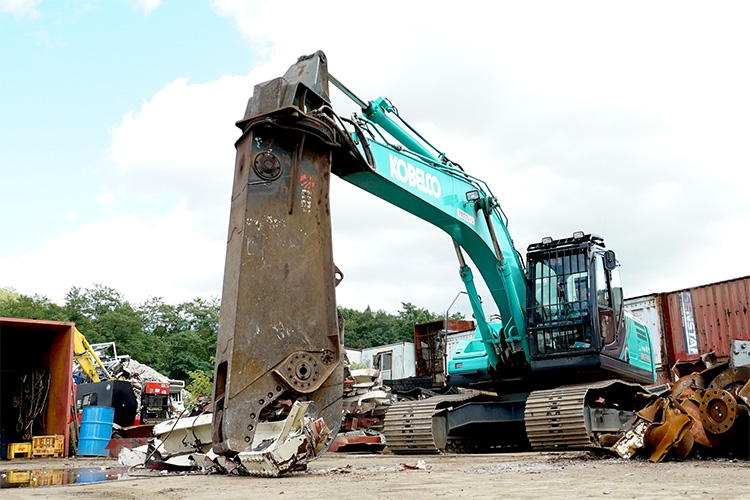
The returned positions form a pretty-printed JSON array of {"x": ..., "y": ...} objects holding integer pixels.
[{"x": 87, "y": 358}]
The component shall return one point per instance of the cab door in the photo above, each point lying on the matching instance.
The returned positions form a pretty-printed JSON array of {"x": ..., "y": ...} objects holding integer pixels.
[
  {"x": 609, "y": 306},
  {"x": 605, "y": 309}
]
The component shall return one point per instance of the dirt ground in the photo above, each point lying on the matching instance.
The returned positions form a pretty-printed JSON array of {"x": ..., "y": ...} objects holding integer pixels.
[{"x": 513, "y": 476}]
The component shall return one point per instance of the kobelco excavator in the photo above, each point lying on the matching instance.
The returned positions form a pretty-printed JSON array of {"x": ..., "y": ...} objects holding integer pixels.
[{"x": 559, "y": 370}]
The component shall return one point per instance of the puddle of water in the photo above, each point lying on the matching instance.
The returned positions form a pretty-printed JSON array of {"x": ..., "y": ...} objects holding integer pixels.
[{"x": 60, "y": 477}]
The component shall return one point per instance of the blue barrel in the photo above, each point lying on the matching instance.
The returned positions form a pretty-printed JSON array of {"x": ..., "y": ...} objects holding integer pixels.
[{"x": 96, "y": 430}]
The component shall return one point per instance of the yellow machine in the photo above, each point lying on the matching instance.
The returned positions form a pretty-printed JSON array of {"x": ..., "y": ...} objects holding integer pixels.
[{"x": 87, "y": 358}]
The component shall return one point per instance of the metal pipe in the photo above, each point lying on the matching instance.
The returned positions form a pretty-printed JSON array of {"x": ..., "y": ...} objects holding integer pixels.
[{"x": 351, "y": 95}]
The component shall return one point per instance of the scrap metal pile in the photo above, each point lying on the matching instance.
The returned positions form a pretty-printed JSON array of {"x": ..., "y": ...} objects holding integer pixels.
[
  {"x": 703, "y": 413},
  {"x": 365, "y": 402},
  {"x": 283, "y": 442}
]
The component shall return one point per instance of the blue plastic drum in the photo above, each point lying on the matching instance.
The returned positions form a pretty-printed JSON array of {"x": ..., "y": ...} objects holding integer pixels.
[{"x": 96, "y": 431}]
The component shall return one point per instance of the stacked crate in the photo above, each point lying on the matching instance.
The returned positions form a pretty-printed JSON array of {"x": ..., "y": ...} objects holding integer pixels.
[{"x": 48, "y": 446}]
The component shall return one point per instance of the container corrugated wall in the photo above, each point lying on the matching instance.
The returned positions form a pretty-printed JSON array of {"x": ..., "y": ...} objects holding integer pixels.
[
  {"x": 705, "y": 318},
  {"x": 647, "y": 308},
  {"x": 695, "y": 321}
]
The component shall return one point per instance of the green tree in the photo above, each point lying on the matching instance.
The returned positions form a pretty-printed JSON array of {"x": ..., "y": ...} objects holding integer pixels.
[
  {"x": 201, "y": 383},
  {"x": 31, "y": 307},
  {"x": 189, "y": 329},
  {"x": 370, "y": 328},
  {"x": 180, "y": 340},
  {"x": 8, "y": 293}
]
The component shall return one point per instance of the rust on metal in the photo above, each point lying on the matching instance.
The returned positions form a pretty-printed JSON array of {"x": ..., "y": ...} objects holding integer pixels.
[
  {"x": 692, "y": 407},
  {"x": 744, "y": 393},
  {"x": 731, "y": 380},
  {"x": 719, "y": 411},
  {"x": 688, "y": 385},
  {"x": 720, "y": 312},
  {"x": 670, "y": 430},
  {"x": 279, "y": 333},
  {"x": 430, "y": 341}
]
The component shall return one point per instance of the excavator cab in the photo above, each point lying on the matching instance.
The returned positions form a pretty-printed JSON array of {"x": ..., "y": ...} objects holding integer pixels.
[{"x": 575, "y": 312}]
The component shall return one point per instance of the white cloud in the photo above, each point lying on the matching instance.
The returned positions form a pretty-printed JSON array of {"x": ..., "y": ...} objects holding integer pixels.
[
  {"x": 105, "y": 199},
  {"x": 181, "y": 127},
  {"x": 138, "y": 254},
  {"x": 573, "y": 121},
  {"x": 147, "y": 6},
  {"x": 20, "y": 7},
  {"x": 580, "y": 115}
]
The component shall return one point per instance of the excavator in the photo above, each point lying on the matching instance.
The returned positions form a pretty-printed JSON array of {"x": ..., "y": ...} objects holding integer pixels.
[{"x": 559, "y": 369}]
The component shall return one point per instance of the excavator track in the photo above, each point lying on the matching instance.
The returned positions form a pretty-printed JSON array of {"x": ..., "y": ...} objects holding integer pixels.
[
  {"x": 417, "y": 426},
  {"x": 555, "y": 418},
  {"x": 558, "y": 418}
]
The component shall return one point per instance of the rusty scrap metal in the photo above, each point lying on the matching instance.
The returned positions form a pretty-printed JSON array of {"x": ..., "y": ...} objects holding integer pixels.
[
  {"x": 688, "y": 391},
  {"x": 687, "y": 386},
  {"x": 726, "y": 421},
  {"x": 707, "y": 409},
  {"x": 719, "y": 411},
  {"x": 744, "y": 393},
  {"x": 692, "y": 407},
  {"x": 731, "y": 380},
  {"x": 660, "y": 427},
  {"x": 358, "y": 441},
  {"x": 669, "y": 430}
]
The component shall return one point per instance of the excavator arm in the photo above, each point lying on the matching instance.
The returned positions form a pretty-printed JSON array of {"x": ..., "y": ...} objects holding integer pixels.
[
  {"x": 88, "y": 359},
  {"x": 409, "y": 173}
]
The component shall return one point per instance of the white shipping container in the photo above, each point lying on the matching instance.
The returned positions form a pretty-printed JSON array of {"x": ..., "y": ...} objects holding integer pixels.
[
  {"x": 354, "y": 355},
  {"x": 645, "y": 309},
  {"x": 395, "y": 361}
]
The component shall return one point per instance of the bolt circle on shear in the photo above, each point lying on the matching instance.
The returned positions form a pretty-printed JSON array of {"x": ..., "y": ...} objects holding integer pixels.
[{"x": 267, "y": 166}]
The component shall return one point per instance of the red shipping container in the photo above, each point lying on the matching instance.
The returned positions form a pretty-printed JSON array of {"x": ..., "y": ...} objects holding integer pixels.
[
  {"x": 695, "y": 321},
  {"x": 705, "y": 318}
]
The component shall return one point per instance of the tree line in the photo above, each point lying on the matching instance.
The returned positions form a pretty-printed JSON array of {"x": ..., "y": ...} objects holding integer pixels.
[{"x": 179, "y": 340}]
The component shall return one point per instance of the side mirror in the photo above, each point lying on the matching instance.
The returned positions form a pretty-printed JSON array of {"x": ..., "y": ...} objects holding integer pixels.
[{"x": 610, "y": 261}]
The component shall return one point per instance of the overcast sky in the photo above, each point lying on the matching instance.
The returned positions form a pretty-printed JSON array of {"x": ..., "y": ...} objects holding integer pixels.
[{"x": 629, "y": 119}]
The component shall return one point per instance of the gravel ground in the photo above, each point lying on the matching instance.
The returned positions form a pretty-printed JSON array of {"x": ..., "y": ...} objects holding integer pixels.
[{"x": 513, "y": 476}]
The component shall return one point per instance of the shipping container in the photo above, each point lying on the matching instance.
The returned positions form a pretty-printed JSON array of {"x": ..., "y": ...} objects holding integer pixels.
[
  {"x": 647, "y": 309},
  {"x": 395, "y": 361},
  {"x": 36, "y": 357},
  {"x": 705, "y": 318},
  {"x": 432, "y": 343},
  {"x": 695, "y": 321},
  {"x": 353, "y": 355}
]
